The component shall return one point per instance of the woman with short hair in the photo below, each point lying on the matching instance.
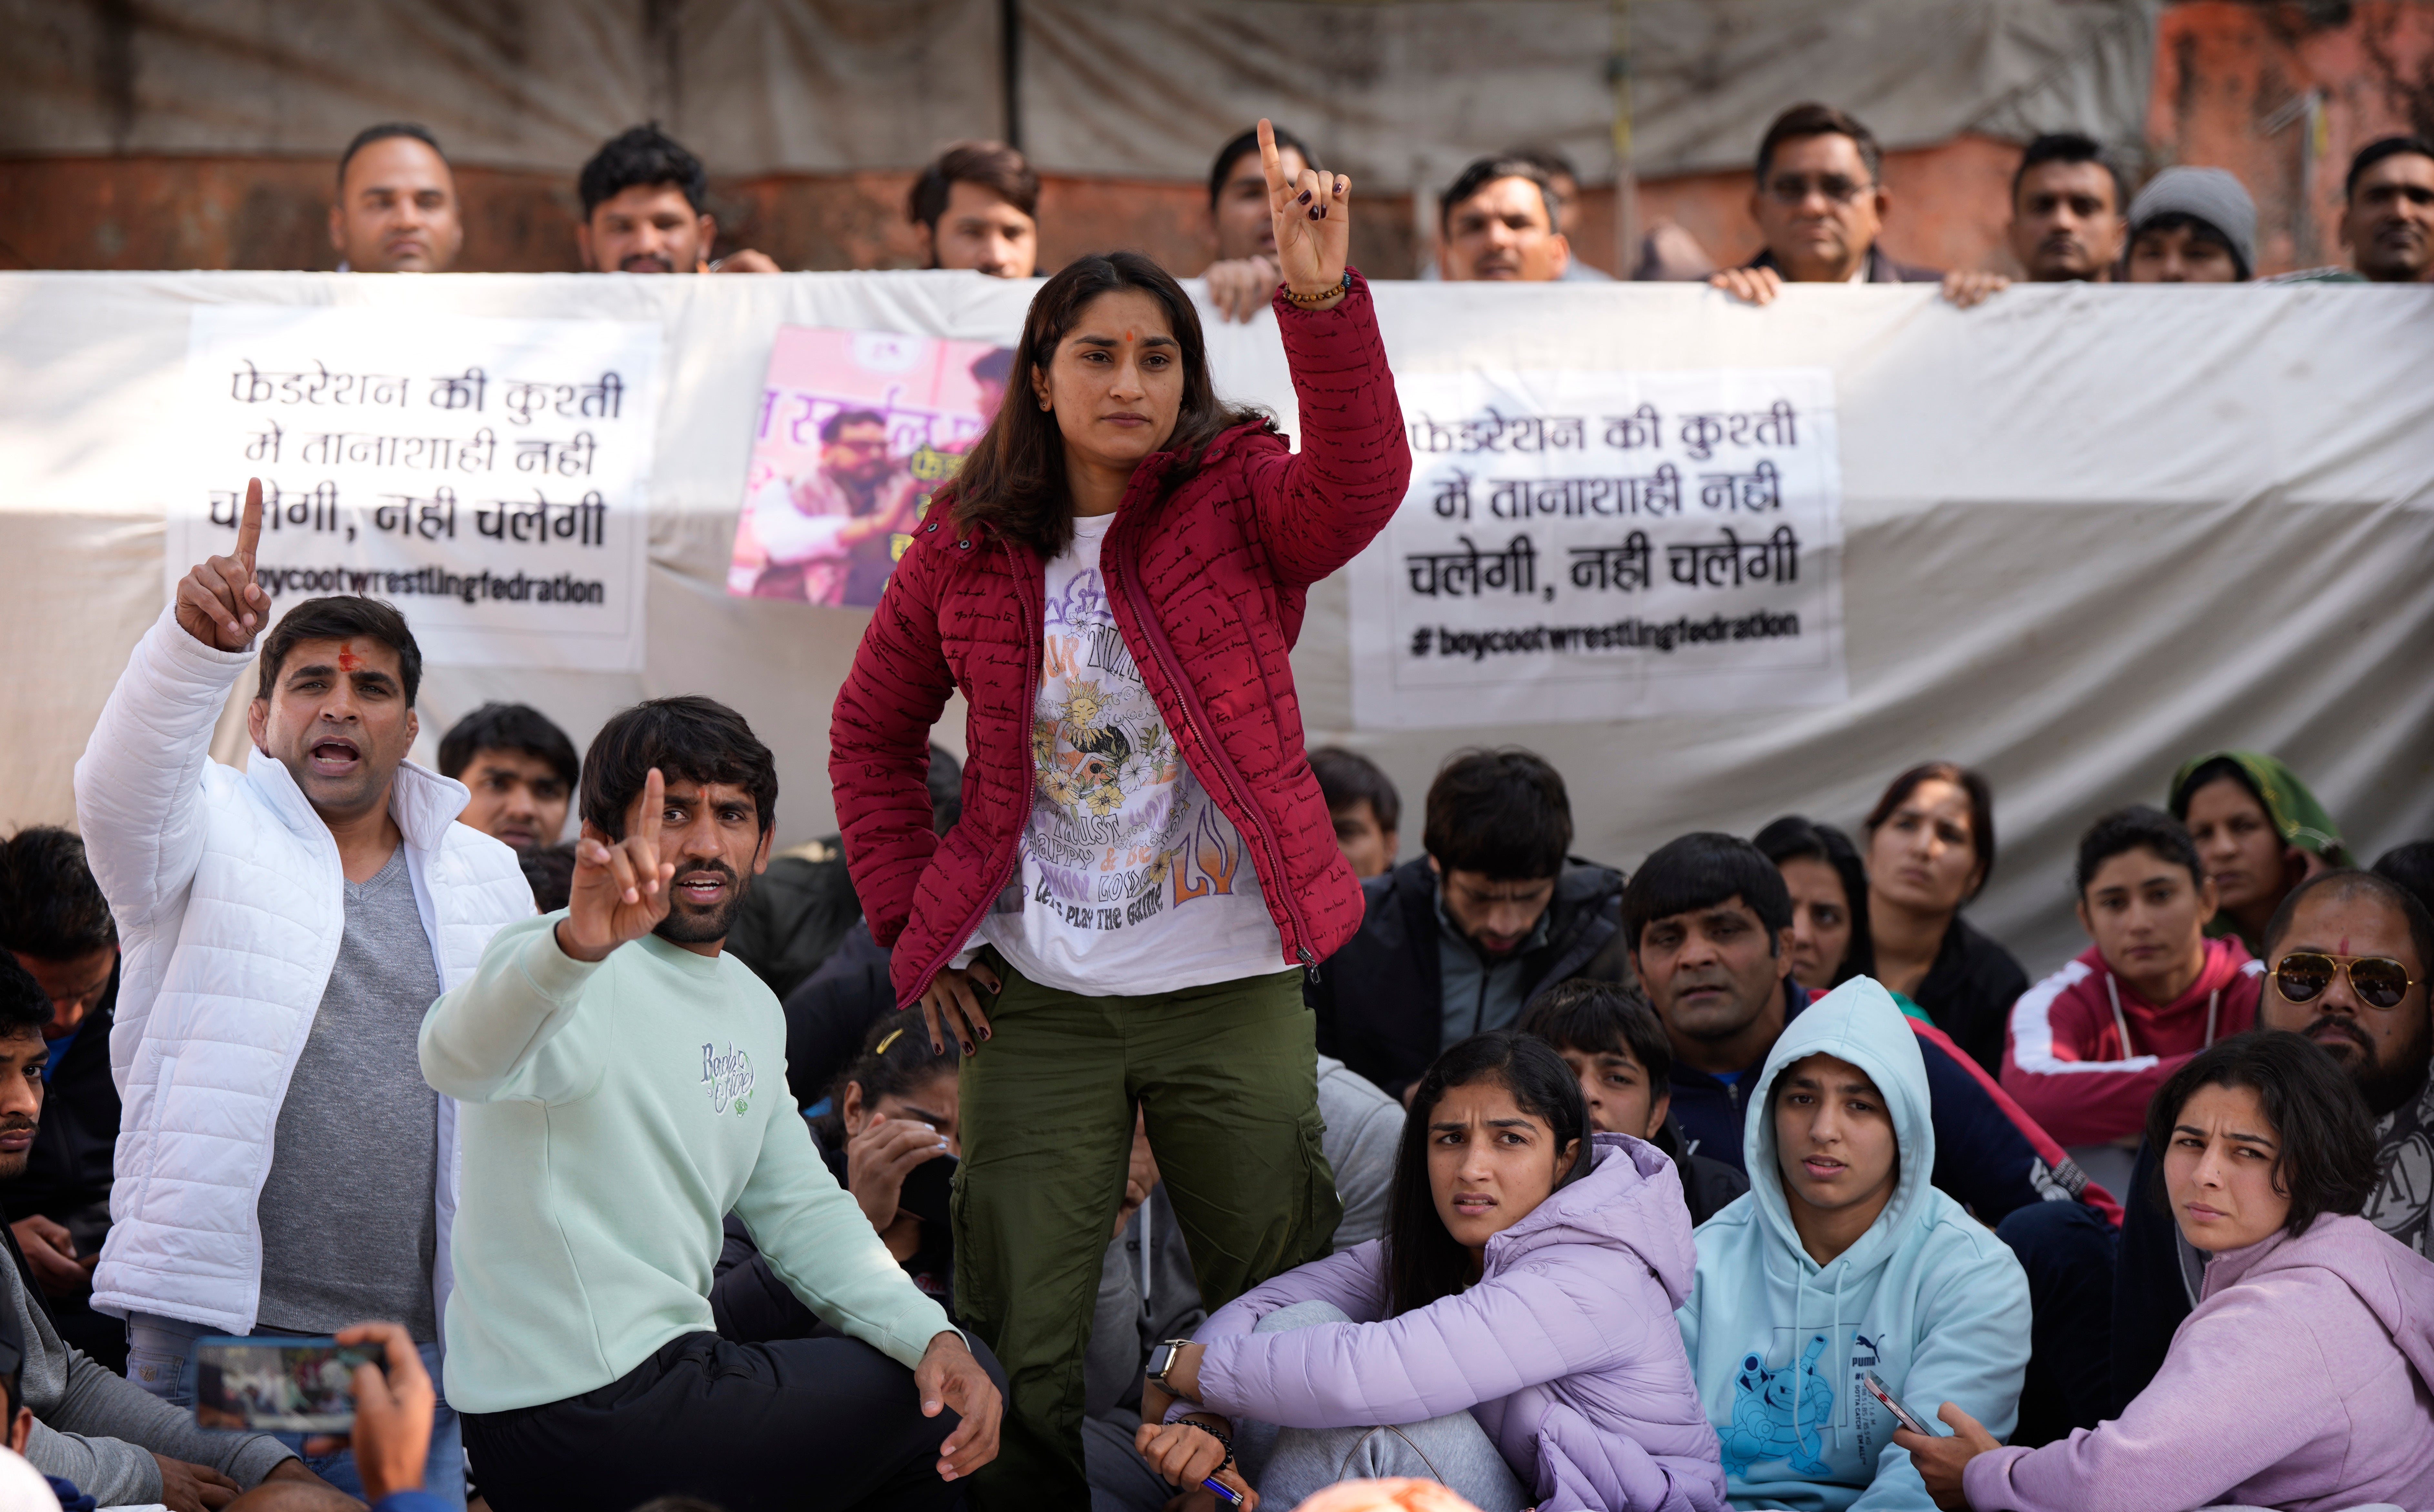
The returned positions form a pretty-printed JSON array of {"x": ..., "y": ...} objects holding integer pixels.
[
  {"x": 1145, "y": 865},
  {"x": 1510, "y": 1336},
  {"x": 1930, "y": 847},
  {"x": 2302, "y": 1378}
]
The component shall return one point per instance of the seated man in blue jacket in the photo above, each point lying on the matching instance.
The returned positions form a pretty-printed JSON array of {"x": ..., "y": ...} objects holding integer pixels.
[
  {"x": 1709, "y": 921},
  {"x": 1459, "y": 941}
]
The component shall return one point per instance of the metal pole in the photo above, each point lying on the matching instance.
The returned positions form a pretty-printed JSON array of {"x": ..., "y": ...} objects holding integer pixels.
[{"x": 1010, "y": 31}]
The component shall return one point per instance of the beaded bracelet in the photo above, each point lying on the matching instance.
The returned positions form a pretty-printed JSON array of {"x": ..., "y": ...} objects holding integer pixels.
[
  {"x": 1223, "y": 1438},
  {"x": 1343, "y": 285}
]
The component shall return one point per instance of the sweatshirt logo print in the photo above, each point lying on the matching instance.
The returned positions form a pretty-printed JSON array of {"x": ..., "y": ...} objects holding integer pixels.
[
  {"x": 1764, "y": 1402},
  {"x": 728, "y": 1076}
]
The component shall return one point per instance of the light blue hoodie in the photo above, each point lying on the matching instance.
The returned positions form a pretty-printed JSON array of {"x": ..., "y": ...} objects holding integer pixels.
[{"x": 1928, "y": 1298}]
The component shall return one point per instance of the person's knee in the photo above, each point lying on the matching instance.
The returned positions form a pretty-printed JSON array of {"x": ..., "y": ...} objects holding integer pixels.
[
  {"x": 2057, "y": 1238},
  {"x": 1301, "y": 1314}
]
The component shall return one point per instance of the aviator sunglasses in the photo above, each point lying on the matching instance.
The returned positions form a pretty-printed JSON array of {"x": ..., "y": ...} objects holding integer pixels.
[{"x": 2379, "y": 981}]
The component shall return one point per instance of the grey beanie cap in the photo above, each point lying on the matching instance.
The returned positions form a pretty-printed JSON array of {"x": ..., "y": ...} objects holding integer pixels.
[{"x": 2211, "y": 195}]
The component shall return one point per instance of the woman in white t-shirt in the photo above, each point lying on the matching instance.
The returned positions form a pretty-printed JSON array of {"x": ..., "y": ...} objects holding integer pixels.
[{"x": 1145, "y": 867}]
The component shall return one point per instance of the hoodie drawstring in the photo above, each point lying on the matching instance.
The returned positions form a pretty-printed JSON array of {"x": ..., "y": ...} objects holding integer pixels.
[{"x": 2122, "y": 1022}]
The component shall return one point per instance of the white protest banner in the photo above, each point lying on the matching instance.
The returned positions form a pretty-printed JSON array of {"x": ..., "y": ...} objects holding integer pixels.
[
  {"x": 487, "y": 475},
  {"x": 1593, "y": 546}
]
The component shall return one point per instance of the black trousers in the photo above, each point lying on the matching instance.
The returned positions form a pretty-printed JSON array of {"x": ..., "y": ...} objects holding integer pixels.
[
  {"x": 798, "y": 1425},
  {"x": 2067, "y": 1251}
]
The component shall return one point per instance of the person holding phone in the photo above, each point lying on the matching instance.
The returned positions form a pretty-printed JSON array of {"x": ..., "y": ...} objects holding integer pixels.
[
  {"x": 1844, "y": 1260},
  {"x": 621, "y": 1080},
  {"x": 889, "y": 1138},
  {"x": 1145, "y": 865},
  {"x": 1508, "y": 1336},
  {"x": 2304, "y": 1377}
]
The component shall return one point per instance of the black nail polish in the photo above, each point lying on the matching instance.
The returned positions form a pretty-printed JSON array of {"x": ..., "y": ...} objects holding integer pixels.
[{"x": 1305, "y": 197}]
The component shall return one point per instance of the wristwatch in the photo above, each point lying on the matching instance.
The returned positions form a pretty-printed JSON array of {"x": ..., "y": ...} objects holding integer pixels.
[{"x": 1161, "y": 1359}]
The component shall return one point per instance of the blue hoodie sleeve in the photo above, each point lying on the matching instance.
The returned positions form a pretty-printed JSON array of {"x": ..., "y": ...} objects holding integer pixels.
[{"x": 1973, "y": 1348}]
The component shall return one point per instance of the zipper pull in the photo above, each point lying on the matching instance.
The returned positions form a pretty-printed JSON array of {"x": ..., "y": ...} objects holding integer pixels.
[{"x": 1309, "y": 964}]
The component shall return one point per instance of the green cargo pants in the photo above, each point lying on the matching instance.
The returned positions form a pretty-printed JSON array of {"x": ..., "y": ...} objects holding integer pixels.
[{"x": 1227, "y": 1079}]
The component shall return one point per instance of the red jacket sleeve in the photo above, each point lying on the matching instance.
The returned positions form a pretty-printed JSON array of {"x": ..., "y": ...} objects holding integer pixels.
[
  {"x": 2059, "y": 1066},
  {"x": 879, "y": 743},
  {"x": 1317, "y": 507}
]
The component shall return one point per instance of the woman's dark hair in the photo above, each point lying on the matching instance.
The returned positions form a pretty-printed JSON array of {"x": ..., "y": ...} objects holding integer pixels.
[
  {"x": 2327, "y": 1162},
  {"x": 894, "y": 1059},
  {"x": 342, "y": 617},
  {"x": 2138, "y": 827},
  {"x": 1794, "y": 837},
  {"x": 1981, "y": 809},
  {"x": 697, "y": 739},
  {"x": 1504, "y": 814},
  {"x": 1013, "y": 482},
  {"x": 1423, "y": 1262}
]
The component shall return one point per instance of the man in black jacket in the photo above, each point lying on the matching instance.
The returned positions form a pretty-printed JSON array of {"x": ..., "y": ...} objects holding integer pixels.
[
  {"x": 55, "y": 921},
  {"x": 1460, "y": 941}
]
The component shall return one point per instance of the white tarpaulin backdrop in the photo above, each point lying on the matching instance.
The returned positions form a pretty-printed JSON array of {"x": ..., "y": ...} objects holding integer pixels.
[{"x": 2088, "y": 531}]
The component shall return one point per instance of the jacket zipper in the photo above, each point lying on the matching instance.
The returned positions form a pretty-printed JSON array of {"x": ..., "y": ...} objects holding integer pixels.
[
  {"x": 1014, "y": 861},
  {"x": 1269, "y": 848}
]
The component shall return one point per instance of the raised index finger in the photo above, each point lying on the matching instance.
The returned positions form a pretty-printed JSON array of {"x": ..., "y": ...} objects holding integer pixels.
[
  {"x": 1271, "y": 164},
  {"x": 655, "y": 807},
  {"x": 249, "y": 526}
]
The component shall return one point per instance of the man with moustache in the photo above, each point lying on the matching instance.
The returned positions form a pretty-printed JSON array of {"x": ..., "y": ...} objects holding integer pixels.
[
  {"x": 623, "y": 1079},
  {"x": 396, "y": 209},
  {"x": 1498, "y": 223},
  {"x": 2066, "y": 204},
  {"x": 830, "y": 534},
  {"x": 643, "y": 198},
  {"x": 91, "y": 1425},
  {"x": 2346, "y": 958},
  {"x": 284, "y": 927},
  {"x": 2387, "y": 216}
]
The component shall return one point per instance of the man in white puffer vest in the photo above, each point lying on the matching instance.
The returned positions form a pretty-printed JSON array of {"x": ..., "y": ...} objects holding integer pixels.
[{"x": 282, "y": 1167}]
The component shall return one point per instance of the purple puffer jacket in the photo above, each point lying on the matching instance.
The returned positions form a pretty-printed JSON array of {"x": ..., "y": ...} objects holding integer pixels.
[{"x": 1565, "y": 1350}]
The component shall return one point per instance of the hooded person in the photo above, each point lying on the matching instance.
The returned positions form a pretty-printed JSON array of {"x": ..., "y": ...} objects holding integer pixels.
[
  {"x": 2259, "y": 831},
  {"x": 1519, "y": 1351},
  {"x": 1844, "y": 1260}
]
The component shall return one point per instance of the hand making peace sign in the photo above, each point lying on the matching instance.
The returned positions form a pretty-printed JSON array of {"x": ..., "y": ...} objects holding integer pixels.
[
  {"x": 619, "y": 890},
  {"x": 218, "y": 603},
  {"x": 1313, "y": 216}
]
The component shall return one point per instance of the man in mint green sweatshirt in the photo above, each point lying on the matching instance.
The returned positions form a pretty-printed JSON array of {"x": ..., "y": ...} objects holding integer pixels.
[{"x": 623, "y": 1088}]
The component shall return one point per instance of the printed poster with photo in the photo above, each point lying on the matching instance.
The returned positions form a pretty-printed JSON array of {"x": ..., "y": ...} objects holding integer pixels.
[{"x": 858, "y": 429}]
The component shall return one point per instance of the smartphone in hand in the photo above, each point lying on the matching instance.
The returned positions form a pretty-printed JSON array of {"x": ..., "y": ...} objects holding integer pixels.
[
  {"x": 283, "y": 1385},
  {"x": 1902, "y": 1415}
]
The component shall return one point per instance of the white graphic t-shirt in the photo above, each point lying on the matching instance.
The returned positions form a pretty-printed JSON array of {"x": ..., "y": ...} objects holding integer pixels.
[{"x": 1132, "y": 879}]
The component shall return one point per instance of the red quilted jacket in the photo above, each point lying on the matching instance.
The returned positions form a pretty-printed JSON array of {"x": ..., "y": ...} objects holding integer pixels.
[{"x": 1206, "y": 580}]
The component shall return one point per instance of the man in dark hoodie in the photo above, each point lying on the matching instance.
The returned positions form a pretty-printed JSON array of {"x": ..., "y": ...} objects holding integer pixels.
[{"x": 1457, "y": 942}]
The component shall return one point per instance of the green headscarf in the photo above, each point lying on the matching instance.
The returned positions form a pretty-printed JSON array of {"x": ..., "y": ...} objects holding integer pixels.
[{"x": 2295, "y": 810}]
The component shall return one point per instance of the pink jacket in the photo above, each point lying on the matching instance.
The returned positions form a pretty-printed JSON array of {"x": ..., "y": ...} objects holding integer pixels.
[
  {"x": 2301, "y": 1382},
  {"x": 1565, "y": 1350},
  {"x": 2065, "y": 1060}
]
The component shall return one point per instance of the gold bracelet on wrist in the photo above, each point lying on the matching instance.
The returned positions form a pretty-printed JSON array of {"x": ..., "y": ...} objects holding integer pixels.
[{"x": 1342, "y": 285}]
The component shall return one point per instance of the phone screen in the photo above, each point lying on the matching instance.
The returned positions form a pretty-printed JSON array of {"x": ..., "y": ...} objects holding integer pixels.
[{"x": 278, "y": 1386}]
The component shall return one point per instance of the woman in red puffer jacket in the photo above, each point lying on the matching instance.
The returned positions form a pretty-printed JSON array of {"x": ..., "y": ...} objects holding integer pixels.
[{"x": 1145, "y": 867}]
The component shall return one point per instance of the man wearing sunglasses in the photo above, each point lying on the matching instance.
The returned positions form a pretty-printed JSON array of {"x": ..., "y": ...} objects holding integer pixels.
[
  {"x": 1820, "y": 203},
  {"x": 2346, "y": 958}
]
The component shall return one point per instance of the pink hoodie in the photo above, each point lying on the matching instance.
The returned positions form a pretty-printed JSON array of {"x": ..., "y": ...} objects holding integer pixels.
[{"x": 2301, "y": 1382}]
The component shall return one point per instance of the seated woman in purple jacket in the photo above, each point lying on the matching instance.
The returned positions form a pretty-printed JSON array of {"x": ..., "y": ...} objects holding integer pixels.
[
  {"x": 1512, "y": 1336},
  {"x": 2302, "y": 1380}
]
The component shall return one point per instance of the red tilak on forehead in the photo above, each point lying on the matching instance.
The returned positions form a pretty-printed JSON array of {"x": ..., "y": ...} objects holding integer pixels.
[{"x": 349, "y": 661}]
